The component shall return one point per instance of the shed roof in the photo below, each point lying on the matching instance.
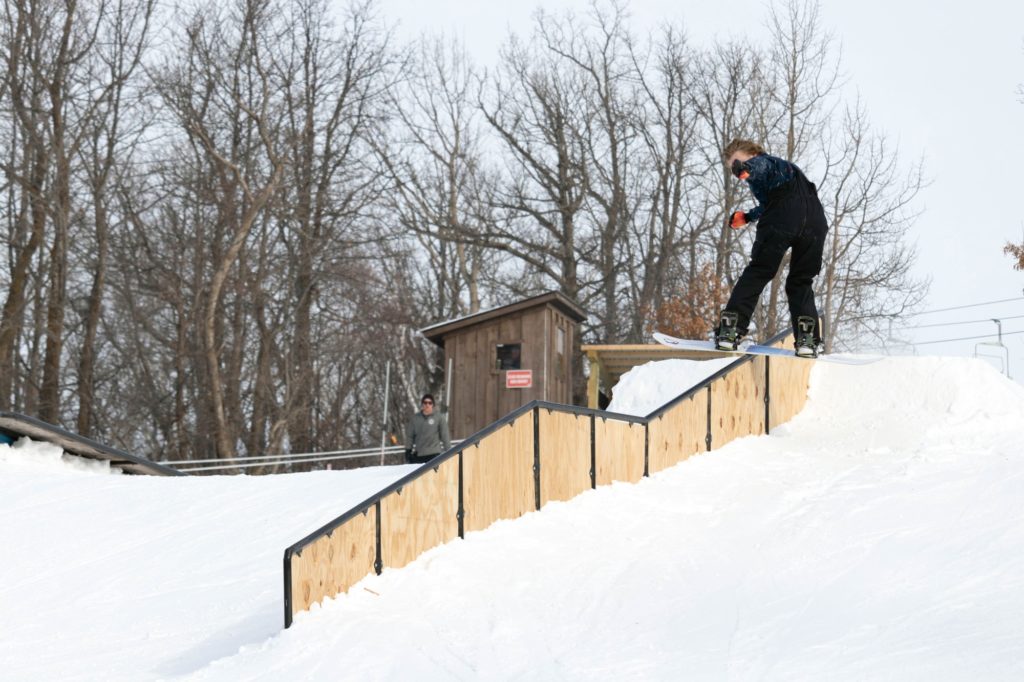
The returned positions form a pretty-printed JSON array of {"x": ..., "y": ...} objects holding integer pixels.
[{"x": 437, "y": 332}]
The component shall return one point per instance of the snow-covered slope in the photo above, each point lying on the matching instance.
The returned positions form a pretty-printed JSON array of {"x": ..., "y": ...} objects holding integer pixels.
[
  {"x": 879, "y": 535},
  {"x": 110, "y": 577}
]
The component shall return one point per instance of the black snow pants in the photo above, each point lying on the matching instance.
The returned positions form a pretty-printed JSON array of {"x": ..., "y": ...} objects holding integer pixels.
[{"x": 794, "y": 219}]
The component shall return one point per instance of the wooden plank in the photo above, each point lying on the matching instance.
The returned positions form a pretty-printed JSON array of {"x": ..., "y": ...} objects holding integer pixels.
[
  {"x": 737, "y": 403},
  {"x": 568, "y": 357},
  {"x": 484, "y": 351},
  {"x": 679, "y": 433},
  {"x": 532, "y": 335},
  {"x": 564, "y": 372},
  {"x": 464, "y": 369},
  {"x": 593, "y": 381},
  {"x": 498, "y": 475},
  {"x": 422, "y": 515},
  {"x": 618, "y": 451},
  {"x": 564, "y": 455},
  {"x": 333, "y": 563},
  {"x": 556, "y": 373},
  {"x": 490, "y": 377},
  {"x": 789, "y": 382}
]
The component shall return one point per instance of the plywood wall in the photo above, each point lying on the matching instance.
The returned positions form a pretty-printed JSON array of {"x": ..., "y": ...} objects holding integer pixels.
[
  {"x": 333, "y": 563},
  {"x": 422, "y": 515},
  {"x": 678, "y": 433},
  {"x": 498, "y": 475},
  {"x": 737, "y": 403},
  {"x": 619, "y": 451},
  {"x": 564, "y": 440},
  {"x": 789, "y": 379}
]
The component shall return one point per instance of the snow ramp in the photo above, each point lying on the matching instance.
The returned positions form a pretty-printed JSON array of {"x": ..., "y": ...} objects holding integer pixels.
[
  {"x": 878, "y": 535},
  {"x": 541, "y": 453}
]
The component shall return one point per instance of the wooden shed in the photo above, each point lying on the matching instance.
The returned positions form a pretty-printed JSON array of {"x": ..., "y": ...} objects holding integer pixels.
[{"x": 503, "y": 358}]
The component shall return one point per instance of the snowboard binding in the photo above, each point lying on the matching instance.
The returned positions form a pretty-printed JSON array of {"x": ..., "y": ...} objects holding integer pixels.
[
  {"x": 727, "y": 336},
  {"x": 806, "y": 343}
]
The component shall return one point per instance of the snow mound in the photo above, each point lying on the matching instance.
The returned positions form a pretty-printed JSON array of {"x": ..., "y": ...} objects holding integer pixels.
[
  {"x": 911, "y": 403},
  {"x": 946, "y": 388},
  {"x": 647, "y": 387}
]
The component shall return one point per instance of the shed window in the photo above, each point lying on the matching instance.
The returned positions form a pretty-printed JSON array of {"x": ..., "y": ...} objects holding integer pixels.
[{"x": 509, "y": 355}]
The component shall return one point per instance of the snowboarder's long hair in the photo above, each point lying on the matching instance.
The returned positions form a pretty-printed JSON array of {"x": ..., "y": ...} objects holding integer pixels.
[{"x": 740, "y": 145}]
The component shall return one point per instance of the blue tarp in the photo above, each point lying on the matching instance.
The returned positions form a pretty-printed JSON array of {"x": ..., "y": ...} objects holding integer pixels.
[{"x": 5, "y": 439}]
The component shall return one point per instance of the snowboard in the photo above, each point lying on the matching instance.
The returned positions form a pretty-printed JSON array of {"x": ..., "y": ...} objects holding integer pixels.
[{"x": 754, "y": 349}]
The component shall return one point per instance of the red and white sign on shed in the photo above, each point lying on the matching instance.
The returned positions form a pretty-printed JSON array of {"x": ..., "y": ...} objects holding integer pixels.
[{"x": 519, "y": 378}]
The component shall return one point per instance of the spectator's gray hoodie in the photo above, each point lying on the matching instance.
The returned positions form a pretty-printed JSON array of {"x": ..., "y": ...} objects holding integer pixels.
[{"x": 428, "y": 435}]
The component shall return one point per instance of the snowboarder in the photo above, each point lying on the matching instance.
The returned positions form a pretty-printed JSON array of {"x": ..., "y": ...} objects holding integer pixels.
[{"x": 789, "y": 215}]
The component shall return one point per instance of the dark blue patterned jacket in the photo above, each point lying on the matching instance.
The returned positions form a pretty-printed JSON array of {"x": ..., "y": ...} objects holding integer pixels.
[{"x": 767, "y": 172}]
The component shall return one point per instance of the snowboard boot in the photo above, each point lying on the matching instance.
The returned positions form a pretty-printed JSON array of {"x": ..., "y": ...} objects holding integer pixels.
[
  {"x": 727, "y": 336},
  {"x": 806, "y": 344}
]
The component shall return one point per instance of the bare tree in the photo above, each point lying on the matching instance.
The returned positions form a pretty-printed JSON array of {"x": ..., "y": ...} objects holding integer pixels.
[
  {"x": 335, "y": 89},
  {"x": 436, "y": 164},
  {"x": 869, "y": 202},
  {"x": 107, "y": 148},
  {"x": 238, "y": 259},
  {"x": 67, "y": 67},
  {"x": 539, "y": 113},
  {"x": 26, "y": 172},
  {"x": 673, "y": 218},
  {"x": 224, "y": 77},
  {"x": 599, "y": 52}
]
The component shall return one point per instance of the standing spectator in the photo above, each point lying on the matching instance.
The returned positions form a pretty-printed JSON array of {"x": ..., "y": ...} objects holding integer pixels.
[{"x": 427, "y": 433}]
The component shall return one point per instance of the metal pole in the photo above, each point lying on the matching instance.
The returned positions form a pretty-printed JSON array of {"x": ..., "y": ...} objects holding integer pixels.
[
  {"x": 999, "y": 324},
  {"x": 448, "y": 390},
  {"x": 384, "y": 426}
]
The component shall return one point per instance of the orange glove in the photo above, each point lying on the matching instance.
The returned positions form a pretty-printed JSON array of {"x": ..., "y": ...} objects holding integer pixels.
[{"x": 739, "y": 219}]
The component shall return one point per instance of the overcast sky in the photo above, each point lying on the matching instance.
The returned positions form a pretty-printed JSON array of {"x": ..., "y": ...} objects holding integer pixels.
[{"x": 939, "y": 77}]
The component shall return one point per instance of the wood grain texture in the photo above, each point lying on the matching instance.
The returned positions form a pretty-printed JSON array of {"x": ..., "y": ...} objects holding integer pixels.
[
  {"x": 333, "y": 563},
  {"x": 619, "y": 451},
  {"x": 423, "y": 515},
  {"x": 789, "y": 381},
  {"x": 679, "y": 433},
  {"x": 737, "y": 403},
  {"x": 564, "y": 455},
  {"x": 498, "y": 475}
]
